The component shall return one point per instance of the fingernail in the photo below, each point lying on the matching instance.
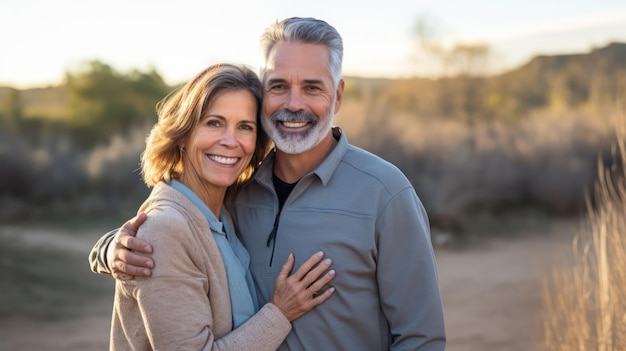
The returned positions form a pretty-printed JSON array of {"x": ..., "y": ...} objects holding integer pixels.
[
  {"x": 290, "y": 255},
  {"x": 332, "y": 290},
  {"x": 327, "y": 261},
  {"x": 149, "y": 264},
  {"x": 331, "y": 272},
  {"x": 319, "y": 253}
]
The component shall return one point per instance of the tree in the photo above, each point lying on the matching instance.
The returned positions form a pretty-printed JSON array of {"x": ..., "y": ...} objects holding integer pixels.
[
  {"x": 459, "y": 59},
  {"x": 103, "y": 101}
]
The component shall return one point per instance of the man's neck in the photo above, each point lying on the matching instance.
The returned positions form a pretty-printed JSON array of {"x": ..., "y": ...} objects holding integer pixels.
[{"x": 291, "y": 167}]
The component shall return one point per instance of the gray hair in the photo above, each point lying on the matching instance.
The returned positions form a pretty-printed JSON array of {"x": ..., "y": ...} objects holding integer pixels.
[{"x": 308, "y": 31}]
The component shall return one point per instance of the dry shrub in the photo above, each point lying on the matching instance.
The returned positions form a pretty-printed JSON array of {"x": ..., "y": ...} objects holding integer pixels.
[
  {"x": 544, "y": 161},
  {"x": 52, "y": 177},
  {"x": 584, "y": 303}
]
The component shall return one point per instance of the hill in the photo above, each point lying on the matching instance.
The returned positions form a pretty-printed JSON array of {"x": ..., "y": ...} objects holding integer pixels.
[
  {"x": 48, "y": 102},
  {"x": 597, "y": 78},
  {"x": 603, "y": 60},
  {"x": 594, "y": 78},
  {"x": 594, "y": 81}
]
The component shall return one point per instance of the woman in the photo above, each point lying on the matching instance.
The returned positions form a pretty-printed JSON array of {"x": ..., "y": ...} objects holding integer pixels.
[{"x": 208, "y": 139}]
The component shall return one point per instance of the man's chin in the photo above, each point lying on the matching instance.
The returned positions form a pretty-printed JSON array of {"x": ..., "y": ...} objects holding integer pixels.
[{"x": 291, "y": 148}]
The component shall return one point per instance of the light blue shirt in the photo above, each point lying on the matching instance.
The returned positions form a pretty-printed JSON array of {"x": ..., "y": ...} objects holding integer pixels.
[{"x": 236, "y": 259}]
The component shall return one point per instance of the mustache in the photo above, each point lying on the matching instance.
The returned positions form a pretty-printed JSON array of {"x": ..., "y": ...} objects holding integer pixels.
[{"x": 299, "y": 116}]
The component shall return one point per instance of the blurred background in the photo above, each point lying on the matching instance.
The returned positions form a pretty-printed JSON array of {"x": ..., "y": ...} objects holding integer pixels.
[{"x": 503, "y": 117}]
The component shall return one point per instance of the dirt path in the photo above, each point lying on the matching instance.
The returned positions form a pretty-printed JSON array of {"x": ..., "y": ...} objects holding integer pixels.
[
  {"x": 490, "y": 293},
  {"x": 53, "y": 239},
  {"x": 87, "y": 333}
]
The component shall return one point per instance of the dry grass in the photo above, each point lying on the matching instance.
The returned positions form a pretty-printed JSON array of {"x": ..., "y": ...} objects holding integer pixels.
[{"x": 584, "y": 303}]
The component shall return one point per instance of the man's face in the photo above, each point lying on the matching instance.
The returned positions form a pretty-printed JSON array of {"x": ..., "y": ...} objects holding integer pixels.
[{"x": 300, "y": 100}]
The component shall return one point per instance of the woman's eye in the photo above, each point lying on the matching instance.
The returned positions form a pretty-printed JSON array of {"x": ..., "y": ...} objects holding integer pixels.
[
  {"x": 247, "y": 127},
  {"x": 213, "y": 123}
]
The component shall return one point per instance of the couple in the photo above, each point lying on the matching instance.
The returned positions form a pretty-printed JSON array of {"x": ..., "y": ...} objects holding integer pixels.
[{"x": 313, "y": 195}]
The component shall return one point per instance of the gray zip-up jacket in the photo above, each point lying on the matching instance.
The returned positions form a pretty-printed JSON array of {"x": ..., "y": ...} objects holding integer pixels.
[{"x": 365, "y": 215}]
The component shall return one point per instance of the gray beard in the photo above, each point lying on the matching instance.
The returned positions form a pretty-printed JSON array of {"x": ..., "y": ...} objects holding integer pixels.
[{"x": 297, "y": 143}]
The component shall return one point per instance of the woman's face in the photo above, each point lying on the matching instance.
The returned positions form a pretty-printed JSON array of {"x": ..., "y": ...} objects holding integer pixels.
[{"x": 221, "y": 145}]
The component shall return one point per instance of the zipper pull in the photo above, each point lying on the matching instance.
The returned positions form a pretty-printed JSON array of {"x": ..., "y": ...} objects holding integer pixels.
[{"x": 272, "y": 237}]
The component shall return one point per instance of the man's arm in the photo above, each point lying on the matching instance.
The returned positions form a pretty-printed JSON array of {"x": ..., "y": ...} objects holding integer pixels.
[
  {"x": 407, "y": 276},
  {"x": 97, "y": 256},
  {"x": 114, "y": 252}
]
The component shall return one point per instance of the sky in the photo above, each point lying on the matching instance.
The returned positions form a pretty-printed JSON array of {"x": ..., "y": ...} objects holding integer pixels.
[{"x": 43, "y": 39}]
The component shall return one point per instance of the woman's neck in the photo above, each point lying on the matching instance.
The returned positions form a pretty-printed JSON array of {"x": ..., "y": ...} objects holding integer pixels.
[{"x": 212, "y": 196}]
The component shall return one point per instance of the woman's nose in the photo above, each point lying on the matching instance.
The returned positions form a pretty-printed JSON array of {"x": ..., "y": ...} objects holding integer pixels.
[{"x": 228, "y": 138}]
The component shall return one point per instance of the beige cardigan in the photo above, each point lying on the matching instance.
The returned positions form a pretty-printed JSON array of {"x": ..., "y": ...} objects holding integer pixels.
[{"x": 185, "y": 305}]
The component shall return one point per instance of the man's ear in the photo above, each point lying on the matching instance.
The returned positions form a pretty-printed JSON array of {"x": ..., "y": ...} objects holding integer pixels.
[{"x": 339, "y": 95}]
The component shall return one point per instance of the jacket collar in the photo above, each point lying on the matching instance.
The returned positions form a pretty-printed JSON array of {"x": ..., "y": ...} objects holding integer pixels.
[{"x": 324, "y": 171}]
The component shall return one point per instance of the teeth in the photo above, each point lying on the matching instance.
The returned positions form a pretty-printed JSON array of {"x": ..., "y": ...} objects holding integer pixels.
[
  {"x": 294, "y": 124},
  {"x": 224, "y": 160}
]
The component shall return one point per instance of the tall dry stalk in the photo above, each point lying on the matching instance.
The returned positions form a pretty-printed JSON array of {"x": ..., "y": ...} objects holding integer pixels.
[{"x": 584, "y": 302}]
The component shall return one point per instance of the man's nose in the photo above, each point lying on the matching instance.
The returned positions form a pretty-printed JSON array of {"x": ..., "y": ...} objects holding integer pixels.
[{"x": 295, "y": 101}]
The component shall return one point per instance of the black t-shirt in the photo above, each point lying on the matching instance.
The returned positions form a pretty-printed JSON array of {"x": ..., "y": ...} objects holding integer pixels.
[{"x": 282, "y": 189}]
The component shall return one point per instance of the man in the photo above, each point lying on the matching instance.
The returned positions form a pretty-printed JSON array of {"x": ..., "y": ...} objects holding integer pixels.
[{"x": 317, "y": 192}]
